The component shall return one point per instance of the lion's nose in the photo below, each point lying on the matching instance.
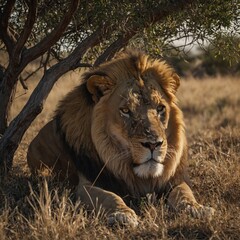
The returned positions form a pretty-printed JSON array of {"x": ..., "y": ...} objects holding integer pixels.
[{"x": 152, "y": 145}]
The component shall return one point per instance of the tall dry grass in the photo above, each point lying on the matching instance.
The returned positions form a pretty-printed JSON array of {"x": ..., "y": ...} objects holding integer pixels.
[{"x": 33, "y": 208}]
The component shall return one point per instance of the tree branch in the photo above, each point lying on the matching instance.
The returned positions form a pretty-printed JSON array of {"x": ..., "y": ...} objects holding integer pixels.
[
  {"x": 6, "y": 13},
  {"x": 52, "y": 38},
  {"x": 114, "y": 47},
  {"x": 72, "y": 61},
  {"x": 5, "y": 34},
  {"x": 83, "y": 65},
  {"x": 31, "y": 18},
  {"x": 2, "y": 69}
]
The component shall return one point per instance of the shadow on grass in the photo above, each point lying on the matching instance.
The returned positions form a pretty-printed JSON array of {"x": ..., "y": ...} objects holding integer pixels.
[
  {"x": 16, "y": 189},
  {"x": 187, "y": 232}
]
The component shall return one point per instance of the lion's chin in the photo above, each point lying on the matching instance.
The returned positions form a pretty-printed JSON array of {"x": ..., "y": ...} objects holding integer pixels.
[{"x": 150, "y": 169}]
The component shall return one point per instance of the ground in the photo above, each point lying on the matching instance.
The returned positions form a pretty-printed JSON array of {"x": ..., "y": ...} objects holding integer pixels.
[{"x": 33, "y": 208}]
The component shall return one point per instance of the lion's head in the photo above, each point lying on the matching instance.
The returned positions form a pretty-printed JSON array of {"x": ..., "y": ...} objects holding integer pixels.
[{"x": 134, "y": 121}]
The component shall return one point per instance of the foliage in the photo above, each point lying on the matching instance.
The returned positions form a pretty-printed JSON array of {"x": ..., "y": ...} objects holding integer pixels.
[
  {"x": 220, "y": 56},
  {"x": 205, "y": 23},
  {"x": 198, "y": 22},
  {"x": 224, "y": 62}
]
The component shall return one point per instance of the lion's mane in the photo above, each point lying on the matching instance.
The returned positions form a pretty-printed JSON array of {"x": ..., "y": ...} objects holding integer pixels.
[{"x": 89, "y": 143}]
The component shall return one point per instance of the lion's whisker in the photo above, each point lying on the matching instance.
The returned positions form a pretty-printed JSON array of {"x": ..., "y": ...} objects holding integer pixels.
[{"x": 119, "y": 156}]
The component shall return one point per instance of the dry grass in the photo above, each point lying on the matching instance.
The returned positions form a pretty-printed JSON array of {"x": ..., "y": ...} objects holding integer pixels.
[{"x": 34, "y": 209}]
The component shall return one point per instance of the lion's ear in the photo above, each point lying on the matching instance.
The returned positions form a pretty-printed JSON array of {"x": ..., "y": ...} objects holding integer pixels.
[
  {"x": 174, "y": 83},
  {"x": 99, "y": 86}
]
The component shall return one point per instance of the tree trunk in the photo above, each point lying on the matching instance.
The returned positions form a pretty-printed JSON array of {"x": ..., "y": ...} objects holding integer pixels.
[
  {"x": 7, "y": 93},
  {"x": 16, "y": 129},
  {"x": 19, "y": 57}
]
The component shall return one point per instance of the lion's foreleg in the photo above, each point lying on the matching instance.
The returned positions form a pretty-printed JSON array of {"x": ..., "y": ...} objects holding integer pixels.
[
  {"x": 181, "y": 198},
  {"x": 116, "y": 210}
]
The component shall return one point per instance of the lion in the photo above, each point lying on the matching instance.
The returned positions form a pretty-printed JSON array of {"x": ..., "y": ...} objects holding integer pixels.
[{"x": 120, "y": 136}]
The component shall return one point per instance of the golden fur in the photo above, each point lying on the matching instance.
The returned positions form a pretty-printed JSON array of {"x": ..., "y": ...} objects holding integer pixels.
[{"x": 121, "y": 135}]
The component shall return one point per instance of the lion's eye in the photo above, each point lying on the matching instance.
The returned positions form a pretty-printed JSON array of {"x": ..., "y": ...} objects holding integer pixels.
[
  {"x": 161, "y": 109},
  {"x": 125, "y": 112}
]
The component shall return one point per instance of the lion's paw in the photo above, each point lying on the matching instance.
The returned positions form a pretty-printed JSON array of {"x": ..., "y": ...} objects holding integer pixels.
[
  {"x": 123, "y": 219},
  {"x": 199, "y": 211}
]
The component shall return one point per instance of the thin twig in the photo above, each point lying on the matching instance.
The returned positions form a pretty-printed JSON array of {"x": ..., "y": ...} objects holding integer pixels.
[
  {"x": 46, "y": 61},
  {"x": 32, "y": 73},
  {"x": 25, "y": 87}
]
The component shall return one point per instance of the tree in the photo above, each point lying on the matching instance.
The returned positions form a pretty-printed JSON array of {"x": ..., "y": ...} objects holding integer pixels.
[{"x": 72, "y": 33}]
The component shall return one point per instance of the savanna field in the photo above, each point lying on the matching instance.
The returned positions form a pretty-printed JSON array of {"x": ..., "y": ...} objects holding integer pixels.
[{"x": 33, "y": 208}]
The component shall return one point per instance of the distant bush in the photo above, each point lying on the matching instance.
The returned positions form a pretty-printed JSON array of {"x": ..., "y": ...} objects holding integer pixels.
[{"x": 220, "y": 57}]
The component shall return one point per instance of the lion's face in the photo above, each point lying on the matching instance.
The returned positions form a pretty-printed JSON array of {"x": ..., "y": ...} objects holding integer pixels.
[
  {"x": 131, "y": 117},
  {"x": 137, "y": 121}
]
